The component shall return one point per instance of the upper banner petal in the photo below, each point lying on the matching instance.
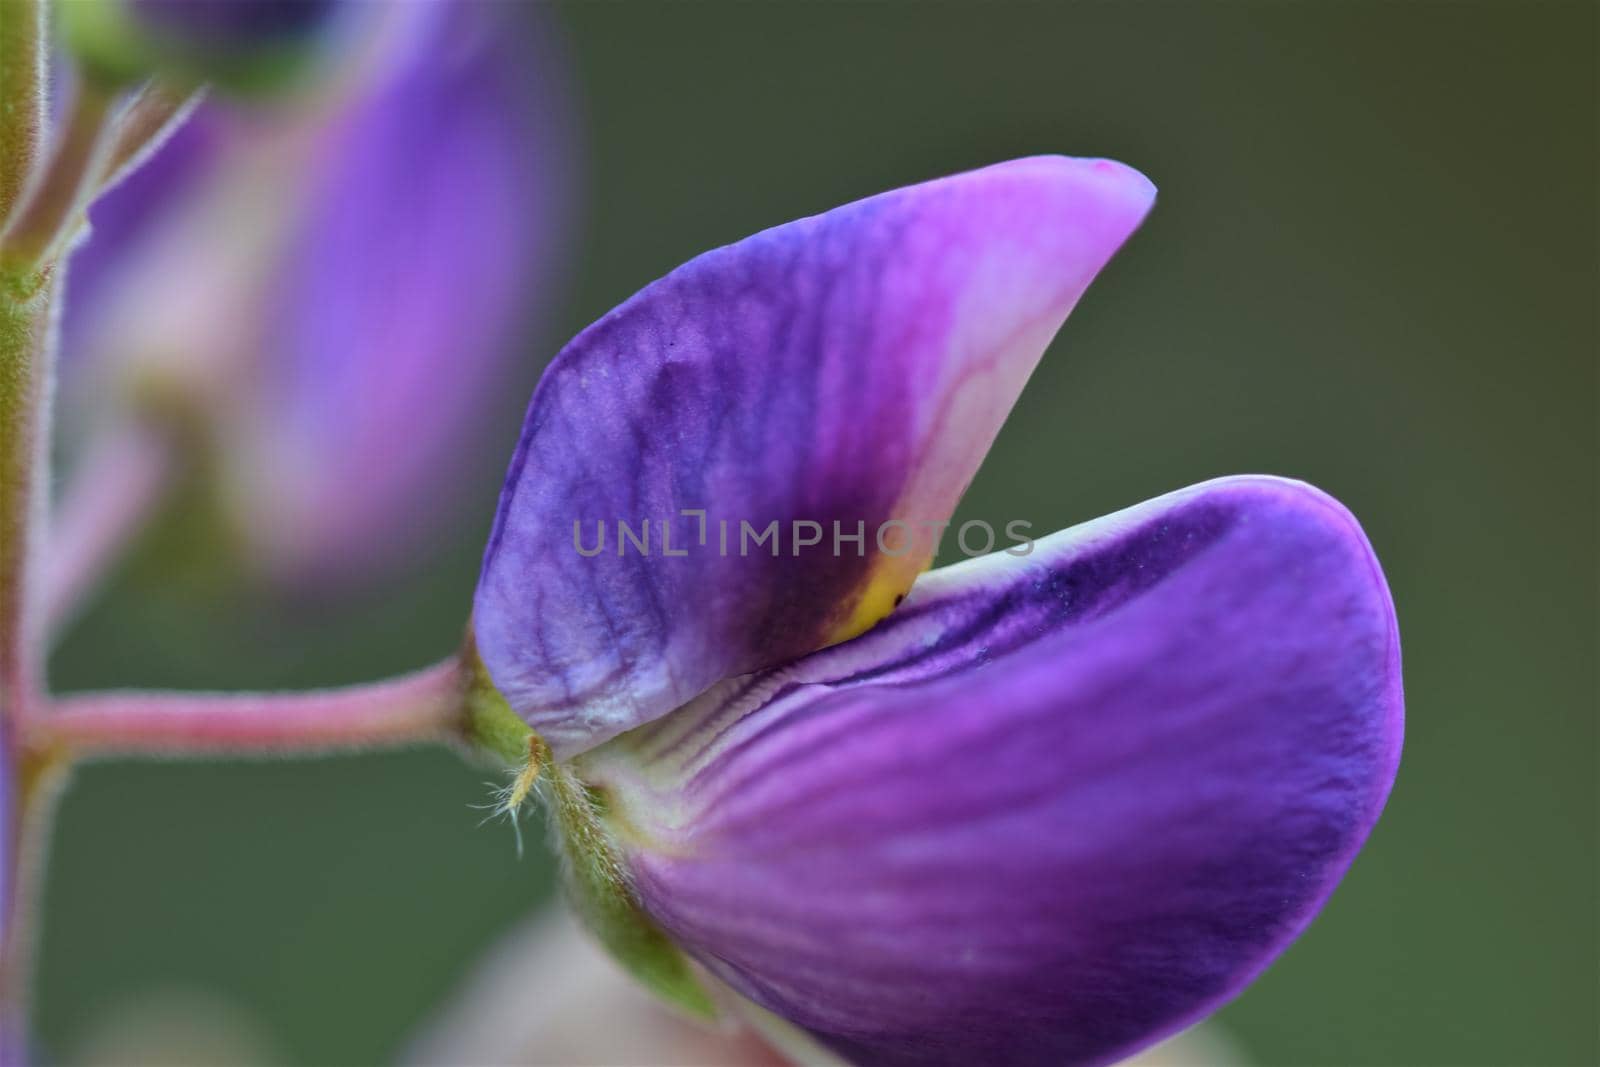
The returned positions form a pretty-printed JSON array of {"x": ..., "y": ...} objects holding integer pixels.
[
  {"x": 1056, "y": 808},
  {"x": 705, "y": 475}
]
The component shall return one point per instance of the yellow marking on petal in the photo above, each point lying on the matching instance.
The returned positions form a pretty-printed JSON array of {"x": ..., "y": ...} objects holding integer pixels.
[{"x": 887, "y": 585}]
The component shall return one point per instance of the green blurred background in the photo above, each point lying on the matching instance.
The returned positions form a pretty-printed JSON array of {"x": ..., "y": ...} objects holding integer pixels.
[{"x": 1372, "y": 266}]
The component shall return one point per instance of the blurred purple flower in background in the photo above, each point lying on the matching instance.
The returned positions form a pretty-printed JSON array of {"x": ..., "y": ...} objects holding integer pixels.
[
  {"x": 322, "y": 297},
  {"x": 1066, "y": 799}
]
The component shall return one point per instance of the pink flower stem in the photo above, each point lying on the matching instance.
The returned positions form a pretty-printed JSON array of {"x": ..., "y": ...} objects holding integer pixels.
[{"x": 429, "y": 706}]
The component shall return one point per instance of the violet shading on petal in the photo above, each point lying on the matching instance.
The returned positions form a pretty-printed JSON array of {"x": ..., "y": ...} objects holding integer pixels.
[
  {"x": 1057, "y": 808},
  {"x": 836, "y": 372}
]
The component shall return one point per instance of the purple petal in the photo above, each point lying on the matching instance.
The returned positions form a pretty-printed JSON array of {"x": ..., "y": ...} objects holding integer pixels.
[
  {"x": 849, "y": 368},
  {"x": 1056, "y": 808}
]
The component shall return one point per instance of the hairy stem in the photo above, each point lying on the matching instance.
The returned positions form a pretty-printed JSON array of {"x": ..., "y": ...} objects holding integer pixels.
[
  {"x": 430, "y": 706},
  {"x": 30, "y": 277},
  {"x": 36, "y": 784},
  {"x": 41, "y": 209},
  {"x": 25, "y": 382},
  {"x": 25, "y": 370},
  {"x": 22, "y": 96}
]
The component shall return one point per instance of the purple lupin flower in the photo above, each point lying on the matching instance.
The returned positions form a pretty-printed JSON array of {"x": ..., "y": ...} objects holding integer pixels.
[
  {"x": 1067, "y": 799},
  {"x": 340, "y": 288}
]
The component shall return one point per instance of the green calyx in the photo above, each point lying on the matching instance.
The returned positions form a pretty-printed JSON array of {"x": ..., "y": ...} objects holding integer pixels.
[
  {"x": 604, "y": 900},
  {"x": 596, "y": 878},
  {"x": 492, "y": 728}
]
